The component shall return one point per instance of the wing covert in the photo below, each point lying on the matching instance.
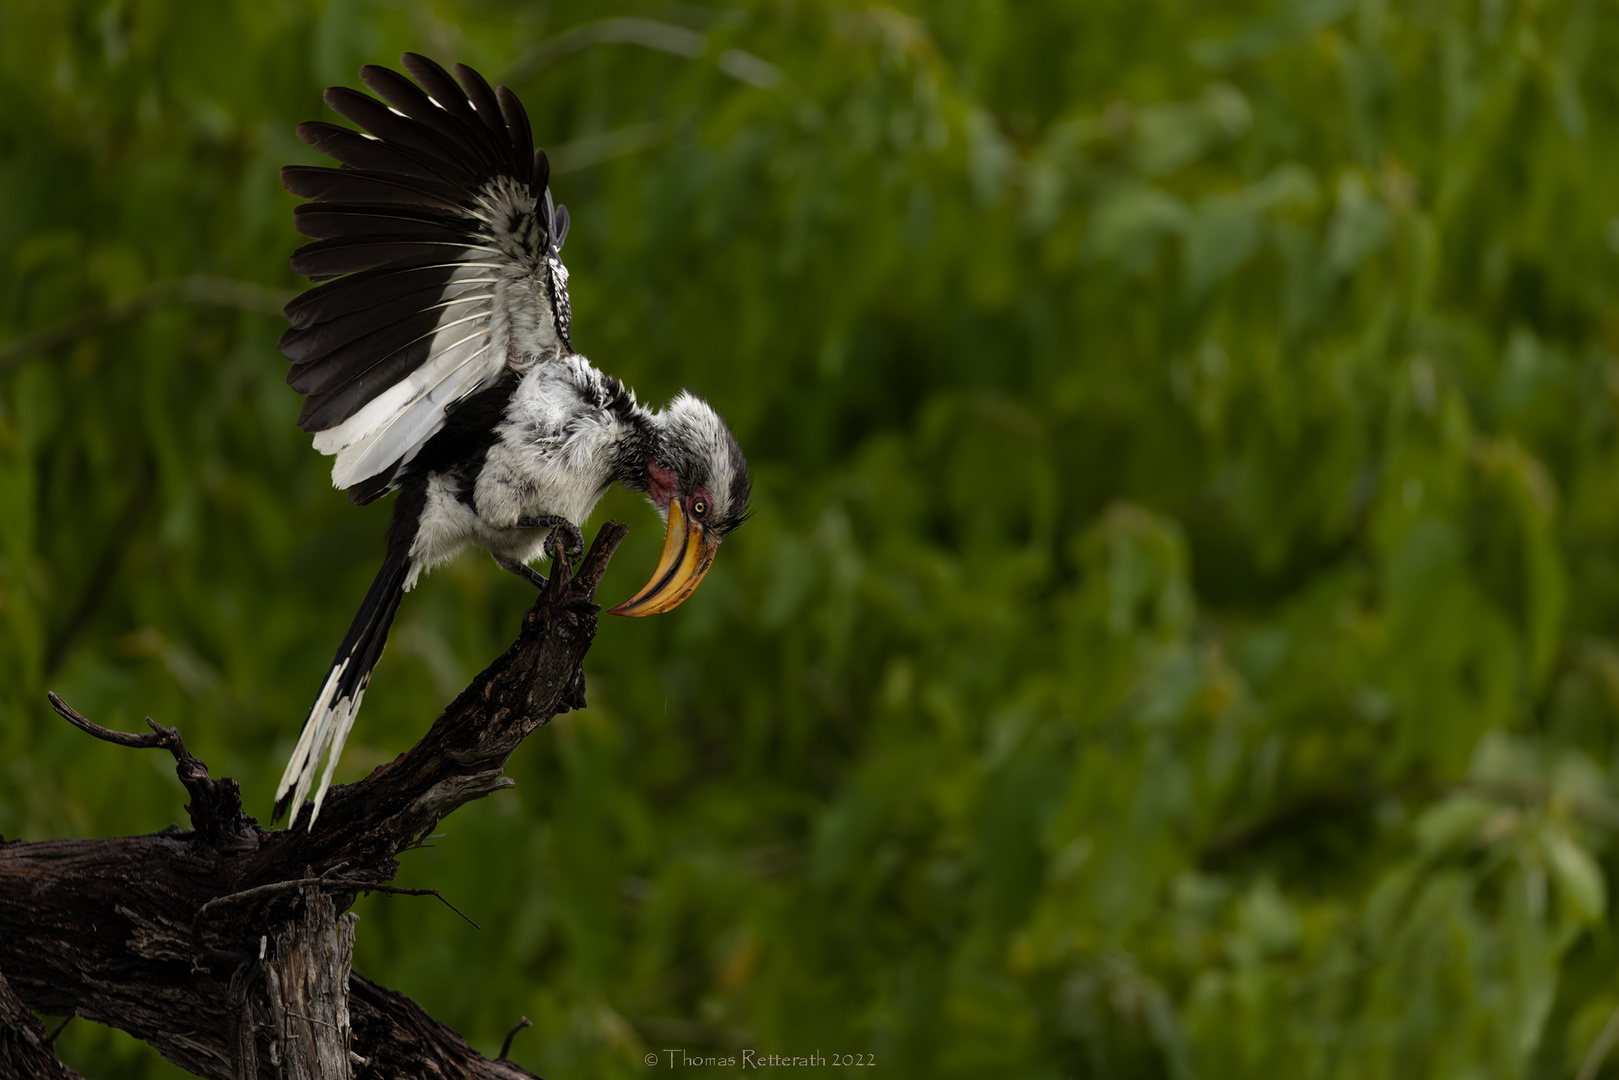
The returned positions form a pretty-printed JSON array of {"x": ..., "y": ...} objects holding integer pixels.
[{"x": 437, "y": 245}]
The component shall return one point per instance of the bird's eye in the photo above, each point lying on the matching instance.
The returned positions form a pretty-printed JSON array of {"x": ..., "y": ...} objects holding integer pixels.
[{"x": 699, "y": 507}]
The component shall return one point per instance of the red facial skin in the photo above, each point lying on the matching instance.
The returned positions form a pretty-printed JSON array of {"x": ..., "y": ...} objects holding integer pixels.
[
  {"x": 660, "y": 484},
  {"x": 661, "y": 489}
]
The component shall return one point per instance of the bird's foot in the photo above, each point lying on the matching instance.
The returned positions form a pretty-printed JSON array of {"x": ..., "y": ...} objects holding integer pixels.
[
  {"x": 522, "y": 570},
  {"x": 566, "y": 542},
  {"x": 561, "y": 530}
]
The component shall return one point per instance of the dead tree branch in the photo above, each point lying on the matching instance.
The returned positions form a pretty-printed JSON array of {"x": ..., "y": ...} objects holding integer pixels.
[
  {"x": 226, "y": 946},
  {"x": 25, "y": 1049}
]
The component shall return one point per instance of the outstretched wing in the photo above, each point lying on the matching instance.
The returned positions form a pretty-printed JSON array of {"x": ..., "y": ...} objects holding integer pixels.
[{"x": 440, "y": 236}]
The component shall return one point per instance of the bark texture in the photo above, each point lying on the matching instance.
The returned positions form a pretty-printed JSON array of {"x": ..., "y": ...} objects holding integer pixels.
[
  {"x": 25, "y": 1049},
  {"x": 225, "y": 946}
]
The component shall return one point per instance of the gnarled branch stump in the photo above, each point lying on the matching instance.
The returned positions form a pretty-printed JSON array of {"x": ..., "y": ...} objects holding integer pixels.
[{"x": 225, "y": 946}]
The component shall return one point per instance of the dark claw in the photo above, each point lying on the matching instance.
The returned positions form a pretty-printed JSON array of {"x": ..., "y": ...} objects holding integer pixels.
[
  {"x": 566, "y": 543},
  {"x": 560, "y": 527}
]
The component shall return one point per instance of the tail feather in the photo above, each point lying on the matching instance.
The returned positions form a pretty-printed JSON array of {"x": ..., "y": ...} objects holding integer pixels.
[{"x": 332, "y": 716}]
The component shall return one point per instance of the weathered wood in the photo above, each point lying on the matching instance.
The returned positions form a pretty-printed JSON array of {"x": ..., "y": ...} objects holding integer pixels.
[
  {"x": 222, "y": 946},
  {"x": 307, "y": 971},
  {"x": 25, "y": 1049}
]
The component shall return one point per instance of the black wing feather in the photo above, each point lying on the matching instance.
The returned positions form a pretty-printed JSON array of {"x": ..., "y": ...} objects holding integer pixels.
[
  {"x": 358, "y": 185},
  {"x": 409, "y": 99},
  {"x": 360, "y": 356},
  {"x": 303, "y": 344},
  {"x": 335, "y": 299},
  {"x": 334, "y": 220},
  {"x": 482, "y": 100},
  {"x": 329, "y": 407},
  {"x": 541, "y": 171},
  {"x": 359, "y": 152},
  {"x": 373, "y": 488},
  {"x": 348, "y": 255},
  {"x": 443, "y": 89},
  {"x": 400, "y": 131},
  {"x": 517, "y": 129}
]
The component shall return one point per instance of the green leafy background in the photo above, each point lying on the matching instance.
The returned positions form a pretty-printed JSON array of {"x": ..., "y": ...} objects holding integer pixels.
[{"x": 1179, "y": 636}]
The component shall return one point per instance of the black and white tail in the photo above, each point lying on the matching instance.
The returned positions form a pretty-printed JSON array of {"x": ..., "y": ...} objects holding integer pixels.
[{"x": 333, "y": 715}]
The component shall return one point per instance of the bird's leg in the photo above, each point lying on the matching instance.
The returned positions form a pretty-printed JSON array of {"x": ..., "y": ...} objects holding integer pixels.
[
  {"x": 561, "y": 528},
  {"x": 522, "y": 570}
]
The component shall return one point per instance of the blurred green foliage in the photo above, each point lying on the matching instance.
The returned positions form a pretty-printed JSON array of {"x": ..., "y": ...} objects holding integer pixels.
[{"x": 1180, "y": 632}]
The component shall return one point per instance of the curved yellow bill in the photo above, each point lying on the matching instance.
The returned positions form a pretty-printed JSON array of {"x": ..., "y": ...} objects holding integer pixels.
[{"x": 687, "y": 555}]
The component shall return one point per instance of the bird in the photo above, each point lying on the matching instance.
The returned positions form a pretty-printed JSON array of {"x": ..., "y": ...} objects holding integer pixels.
[{"x": 436, "y": 359}]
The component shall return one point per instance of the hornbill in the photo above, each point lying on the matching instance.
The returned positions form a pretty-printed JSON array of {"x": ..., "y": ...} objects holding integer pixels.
[{"x": 437, "y": 361}]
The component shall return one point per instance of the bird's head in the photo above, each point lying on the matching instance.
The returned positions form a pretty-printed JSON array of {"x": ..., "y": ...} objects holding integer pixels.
[{"x": 698, "y": 479}]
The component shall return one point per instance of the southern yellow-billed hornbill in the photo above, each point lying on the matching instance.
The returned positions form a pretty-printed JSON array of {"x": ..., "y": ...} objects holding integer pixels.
[{"x": 437, "y": 362}]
